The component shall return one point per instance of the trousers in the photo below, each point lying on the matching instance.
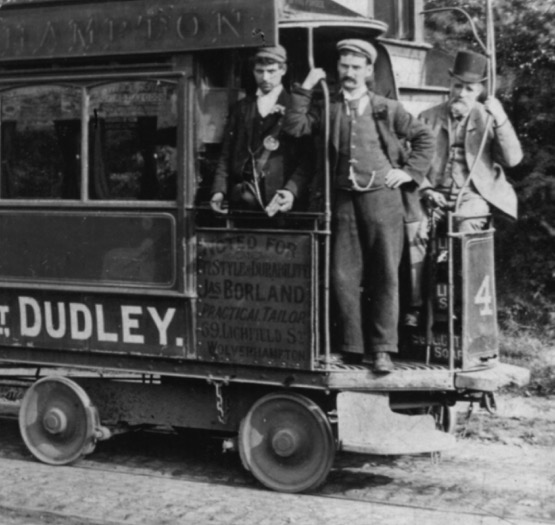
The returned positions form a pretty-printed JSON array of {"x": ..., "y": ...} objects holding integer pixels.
[{"x": 367, "y": 243}]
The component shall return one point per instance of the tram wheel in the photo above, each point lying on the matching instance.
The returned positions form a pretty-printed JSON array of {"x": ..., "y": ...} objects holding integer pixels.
[
  {"x": 57, "y": 421},
  {"x": 446, "y": 418},
  {"x": 286, "y": 441}
]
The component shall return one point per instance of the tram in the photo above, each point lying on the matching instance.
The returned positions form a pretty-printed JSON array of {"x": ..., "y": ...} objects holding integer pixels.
[{"x": 124, "y": 303}]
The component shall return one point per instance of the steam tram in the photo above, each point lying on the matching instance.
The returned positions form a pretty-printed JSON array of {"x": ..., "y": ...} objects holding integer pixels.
[{"x": 125, "y": 303}]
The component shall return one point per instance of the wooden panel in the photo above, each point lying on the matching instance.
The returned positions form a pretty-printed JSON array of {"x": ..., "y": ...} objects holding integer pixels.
[
  {"x": 114, "y": 249},
  {"x": 255, "y": 297}
]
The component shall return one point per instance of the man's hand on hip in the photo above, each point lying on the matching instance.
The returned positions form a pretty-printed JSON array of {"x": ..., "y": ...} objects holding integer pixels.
[{"x": 396, "y": 177}]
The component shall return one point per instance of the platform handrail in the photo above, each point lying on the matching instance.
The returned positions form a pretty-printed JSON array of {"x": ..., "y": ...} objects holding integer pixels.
[{"x": 327, "y": 202}]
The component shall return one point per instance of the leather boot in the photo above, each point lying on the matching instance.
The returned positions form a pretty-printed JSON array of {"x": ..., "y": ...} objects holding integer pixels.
[{"x": 382, "y": 363}]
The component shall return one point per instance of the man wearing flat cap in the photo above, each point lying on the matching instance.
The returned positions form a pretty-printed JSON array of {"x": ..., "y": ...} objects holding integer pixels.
[
  {"x": 459, "y": 126},
  {"x": 375, "y": 179},
  {"x": 261, "y": 168}
]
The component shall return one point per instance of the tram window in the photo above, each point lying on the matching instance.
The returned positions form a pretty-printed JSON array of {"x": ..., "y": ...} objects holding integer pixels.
[
  {"x": 401, "y": 16},
  {"x": 218, "y": 75},
  {"x": 133, "y": 141},
  {"x": 40, "y": 143}
]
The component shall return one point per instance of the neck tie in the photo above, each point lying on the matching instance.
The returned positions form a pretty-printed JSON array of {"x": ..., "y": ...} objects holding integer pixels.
[{"x": 353, "y": 107}]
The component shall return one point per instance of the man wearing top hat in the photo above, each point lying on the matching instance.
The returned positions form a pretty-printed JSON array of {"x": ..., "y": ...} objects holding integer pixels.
[
  {"x": 459, "y": 126},
  {"x": 375, "y": 182},
  {"x": 261, "y": 168}
]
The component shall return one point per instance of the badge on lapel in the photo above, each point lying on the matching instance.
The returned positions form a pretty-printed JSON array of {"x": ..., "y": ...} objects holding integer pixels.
[{"x": 271, "y": 143}]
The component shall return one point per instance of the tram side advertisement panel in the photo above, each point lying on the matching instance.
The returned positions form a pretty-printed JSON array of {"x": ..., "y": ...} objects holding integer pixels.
[
  {"x": 95, "y": 323},
  {"x": 255, "y": 294}
]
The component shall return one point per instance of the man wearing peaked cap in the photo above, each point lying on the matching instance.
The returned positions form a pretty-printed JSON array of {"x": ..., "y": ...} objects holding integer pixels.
[
  {"x": 275, "y": 53},
  {"x": 260, "y": 168},
  {"x": 358, "y": 46},
  {"x": 375, "y": 182}
]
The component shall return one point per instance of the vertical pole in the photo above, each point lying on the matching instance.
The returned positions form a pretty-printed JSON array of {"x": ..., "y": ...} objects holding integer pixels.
[
  {"x": 450, "y": 291},
  {"x": 3, "y": 174},
  {"x": 85, "y": 140},
  {"x": 490, "y": 45},
  {"x": 417, "y": 21},
  {"x": 327, "y": 204}
]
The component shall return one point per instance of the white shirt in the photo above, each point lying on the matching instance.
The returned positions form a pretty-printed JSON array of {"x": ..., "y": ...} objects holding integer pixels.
[{"x": 266, "y": 101}]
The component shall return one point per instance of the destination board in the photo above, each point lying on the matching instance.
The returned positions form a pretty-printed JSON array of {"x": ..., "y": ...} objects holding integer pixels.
[
  {"x": 80, "y": 29},
  {"x": 255, "y": 296},
  {"x": 126, "y": 325}
]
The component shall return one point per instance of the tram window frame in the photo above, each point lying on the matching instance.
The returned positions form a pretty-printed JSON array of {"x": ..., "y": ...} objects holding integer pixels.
[{"x": 86, "y": 84}]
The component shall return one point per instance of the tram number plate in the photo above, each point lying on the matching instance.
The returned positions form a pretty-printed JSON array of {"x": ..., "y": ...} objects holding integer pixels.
[{"x": 480, "y": 333}]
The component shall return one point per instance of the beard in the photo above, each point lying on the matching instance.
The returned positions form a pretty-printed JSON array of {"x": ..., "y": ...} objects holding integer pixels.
[{"x": 460, "y": 108}]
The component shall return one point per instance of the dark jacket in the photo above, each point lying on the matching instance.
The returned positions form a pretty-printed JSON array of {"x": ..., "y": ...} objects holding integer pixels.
[
  {"x": 288, "y": 167},
  {"x": 502, "y": 148},
  {"x": 396, "y": 128}
]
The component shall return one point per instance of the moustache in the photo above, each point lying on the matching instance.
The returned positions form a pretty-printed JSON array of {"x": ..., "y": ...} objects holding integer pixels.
[{"x": 343, "y": 79}]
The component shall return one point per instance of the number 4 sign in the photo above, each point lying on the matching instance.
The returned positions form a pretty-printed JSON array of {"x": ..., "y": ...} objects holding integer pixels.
[{"x": 484, "y": 297}]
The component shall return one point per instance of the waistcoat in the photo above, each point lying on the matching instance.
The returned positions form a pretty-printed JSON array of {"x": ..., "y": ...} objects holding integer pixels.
[
  {"x": 360, "y": 152},
  {"x": 456, "y": 170}
]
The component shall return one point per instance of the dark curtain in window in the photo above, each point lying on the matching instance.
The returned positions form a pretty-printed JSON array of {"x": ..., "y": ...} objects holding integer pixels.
[
  {"x": 98, "y": 181},
  {"x": 68, "y": 133},
  {"x": 146, "y": 129},
  {"x": 6, "y": 183}
]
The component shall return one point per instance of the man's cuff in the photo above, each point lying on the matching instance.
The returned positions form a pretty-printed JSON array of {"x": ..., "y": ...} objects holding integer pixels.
[{"x": 298, "y": 89}]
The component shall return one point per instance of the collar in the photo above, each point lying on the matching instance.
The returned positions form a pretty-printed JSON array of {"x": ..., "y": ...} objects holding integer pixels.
[
  {"x": 275, "y": 93},
  {"x": 267, "y": 101},
  {"x": 353, "y": 95},
  {"x": 363, "y": 94}
]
